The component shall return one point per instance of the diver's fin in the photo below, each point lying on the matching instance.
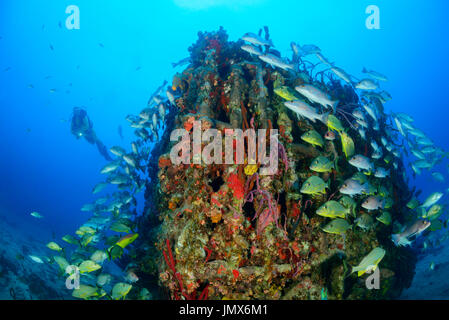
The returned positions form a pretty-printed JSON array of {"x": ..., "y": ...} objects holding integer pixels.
[{"x": 103, "y": 151}]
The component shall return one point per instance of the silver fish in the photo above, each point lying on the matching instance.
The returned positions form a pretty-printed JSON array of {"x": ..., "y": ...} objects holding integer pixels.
[
  {"x": 402, "y": 239},
  {"x": 373, "y": 203},
  {"x": 381, "y": 172},
  {"x": 341, "y": 74},
  {"x": 303, "y": 109},
  {"x": 353, "y": 187},
  {"x": 256, "y": 40},
  {"x": 361, "y": 162},
  {"x": 375, "y": 75},
  {"x": 316, "y": 95},
  {"x": 251, "y": 49},
  {"x": 276, "y": 61},
  {"x": 366, "y": 84}
]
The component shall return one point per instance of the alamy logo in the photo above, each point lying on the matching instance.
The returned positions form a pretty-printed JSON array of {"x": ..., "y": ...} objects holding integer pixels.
[
  {"x": 373, "y": 281},
  {"x": 73, "y": 280},
  {"x": 213, "y": 152},
  {"x": 373, "y": 20},
  {"x": 73, "y": 20}
]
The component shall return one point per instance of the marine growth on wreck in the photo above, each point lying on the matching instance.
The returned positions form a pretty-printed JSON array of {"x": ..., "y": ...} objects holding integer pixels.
[{"x": 336, "y": 210}]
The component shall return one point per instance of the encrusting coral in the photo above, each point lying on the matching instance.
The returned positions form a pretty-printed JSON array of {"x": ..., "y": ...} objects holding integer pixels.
[{"x": 227, "y": 232}]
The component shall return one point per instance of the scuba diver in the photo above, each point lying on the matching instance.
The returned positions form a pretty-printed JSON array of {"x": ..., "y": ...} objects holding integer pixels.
[{"x": 81, "y": 126}]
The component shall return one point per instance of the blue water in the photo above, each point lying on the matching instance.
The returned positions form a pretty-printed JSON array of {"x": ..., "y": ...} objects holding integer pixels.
[{"x": 123, "y": 52}]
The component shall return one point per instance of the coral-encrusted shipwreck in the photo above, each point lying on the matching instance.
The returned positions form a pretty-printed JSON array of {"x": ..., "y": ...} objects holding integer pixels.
[{"x": 227, "y": 233}]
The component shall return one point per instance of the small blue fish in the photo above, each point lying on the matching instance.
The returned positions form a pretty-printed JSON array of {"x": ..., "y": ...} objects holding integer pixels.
[{"x": 323, "y": 294}]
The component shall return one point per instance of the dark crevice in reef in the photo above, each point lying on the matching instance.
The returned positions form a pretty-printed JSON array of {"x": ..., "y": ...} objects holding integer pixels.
[
  {"x": 327, "y": 269},
  {"x": 222, "y": 116},
  {"x": 217, "y": 183},
  {"x": 249, "y": 212}
]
